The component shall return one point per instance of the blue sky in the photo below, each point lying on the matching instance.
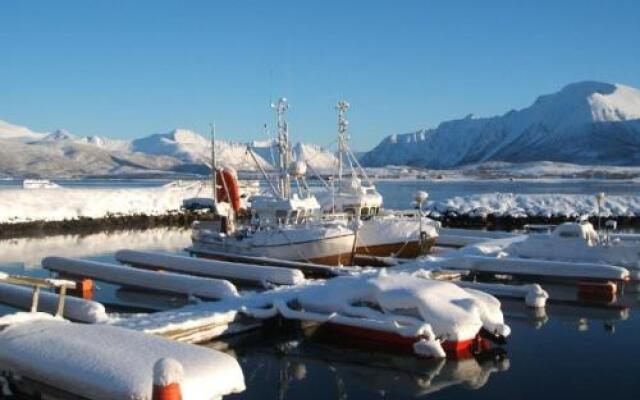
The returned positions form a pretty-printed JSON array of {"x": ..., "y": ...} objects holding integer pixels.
[{"x": 130, "y": 68}]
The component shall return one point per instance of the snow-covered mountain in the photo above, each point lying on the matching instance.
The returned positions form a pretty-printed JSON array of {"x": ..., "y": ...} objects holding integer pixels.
[
  {"x": 24, "y": 153},
  {"x": 316, "y": 157},
  {"x": 584, "y": 123},
  {"x": 17, "y": 132}
]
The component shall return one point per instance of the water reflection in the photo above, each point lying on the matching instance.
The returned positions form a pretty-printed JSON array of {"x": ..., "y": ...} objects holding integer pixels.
[
  {"x": 28, "y": 252},
  {"x": 293, "y": 367}
]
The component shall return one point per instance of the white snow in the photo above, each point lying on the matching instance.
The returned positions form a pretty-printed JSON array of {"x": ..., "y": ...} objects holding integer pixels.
[
  {"x": 410, "y": 306},
  {"x": 538, "y": 205},
  {"x": 451, "y": 312},
  {"x": 17, "y": 205},
  {"x": 167, "y": 371},
  {"x": 104, "y": 362}
]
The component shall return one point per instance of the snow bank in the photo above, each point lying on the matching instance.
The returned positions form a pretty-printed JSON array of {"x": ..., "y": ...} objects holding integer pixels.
[
  {"x": 18, "y": 205},
  {"x": 105, "y": 362},
  {"x": 535, "y": 205}
]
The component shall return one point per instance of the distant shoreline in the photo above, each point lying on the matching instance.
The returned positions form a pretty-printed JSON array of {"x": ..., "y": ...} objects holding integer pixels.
[
  {"x": 84, "y": 226},
  {"x": 509, "y": 223}
]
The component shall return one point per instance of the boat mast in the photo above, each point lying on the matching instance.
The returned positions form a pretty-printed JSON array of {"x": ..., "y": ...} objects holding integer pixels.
[
  {"x": 214, "y": 170},
  {"x": 283, "y": 146},
  {"x": 343, "y": 136}
]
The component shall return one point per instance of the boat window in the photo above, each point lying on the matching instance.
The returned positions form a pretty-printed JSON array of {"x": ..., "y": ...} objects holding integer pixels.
[
  {"x": 281, "y": 216},
  {"x": 566, "y": 234},
  {"x": 350, "y": 211},
  {"x": 294, "y": 217},
  {"x": 365, "y": 211}
]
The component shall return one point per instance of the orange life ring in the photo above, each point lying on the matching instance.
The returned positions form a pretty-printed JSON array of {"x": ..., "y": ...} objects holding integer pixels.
[{"x": 227, "y": 187}]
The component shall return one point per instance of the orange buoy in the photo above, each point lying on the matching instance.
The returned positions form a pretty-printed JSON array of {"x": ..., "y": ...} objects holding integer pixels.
[
  {"x": 227, "y": 187},
  {"x": 167, "y": 375},
  {"x": 84, "y": 287}
]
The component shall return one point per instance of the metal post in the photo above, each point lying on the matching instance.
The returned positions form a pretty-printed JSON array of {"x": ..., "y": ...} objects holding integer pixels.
[
  {"x": 61, "y": 299},
  {"x": 35, "y": 299},
  {"x": 213, "y": 163}
]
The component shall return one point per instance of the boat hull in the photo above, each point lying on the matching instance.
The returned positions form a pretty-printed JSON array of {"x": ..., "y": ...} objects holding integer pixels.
[
  {"x": 387, "y": 341},
  {"x": 390, "y": 236},
  {"x": 335, "y": 250}
]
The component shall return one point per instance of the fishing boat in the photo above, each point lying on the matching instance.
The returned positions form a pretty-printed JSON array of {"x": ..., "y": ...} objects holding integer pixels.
[
  {"x": 285, "y": 225},
  {"x": 380, "y": 232}
]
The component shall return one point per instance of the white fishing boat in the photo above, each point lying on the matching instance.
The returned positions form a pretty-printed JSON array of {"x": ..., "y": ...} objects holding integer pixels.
[
  {"x": 380, "y": 232},
  {"x": 285, "y": 225}
]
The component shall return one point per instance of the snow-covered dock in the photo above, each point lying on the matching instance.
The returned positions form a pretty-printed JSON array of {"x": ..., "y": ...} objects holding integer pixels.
[
  {"x": 150, "y": 280},
  {"x": 75, "y": 309},
  {"x": 237, "y": 272},
  {"x": 539, "y": 269},
  {"x": 103, "y": 362}
]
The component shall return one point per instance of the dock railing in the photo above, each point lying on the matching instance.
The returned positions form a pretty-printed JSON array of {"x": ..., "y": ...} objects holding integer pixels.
[{"x": 37, "y": 284}]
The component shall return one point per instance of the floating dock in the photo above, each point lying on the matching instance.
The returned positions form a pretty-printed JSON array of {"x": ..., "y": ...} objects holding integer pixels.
[
  {"x": 149, "y": 280},
  {"x": 243, "y": 273},
  {"x": 103, "y": 362},
  {"x": 539, "y": 270}
]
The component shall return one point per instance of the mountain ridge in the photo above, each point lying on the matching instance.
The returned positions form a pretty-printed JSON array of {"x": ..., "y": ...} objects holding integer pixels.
[{"x": 561, "y": 126}]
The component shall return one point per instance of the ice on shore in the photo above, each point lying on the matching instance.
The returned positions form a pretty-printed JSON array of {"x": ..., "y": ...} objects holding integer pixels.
[
  {"x": 59, "y": 204},
  {"x": 535, "y": 205}
]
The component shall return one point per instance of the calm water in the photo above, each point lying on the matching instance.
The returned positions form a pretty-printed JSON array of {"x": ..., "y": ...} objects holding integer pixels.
[{"x": 568, "y": 351}]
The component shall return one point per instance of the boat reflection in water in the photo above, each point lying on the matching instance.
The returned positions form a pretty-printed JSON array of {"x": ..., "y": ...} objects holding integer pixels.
[{"x": 318, "y": 368}]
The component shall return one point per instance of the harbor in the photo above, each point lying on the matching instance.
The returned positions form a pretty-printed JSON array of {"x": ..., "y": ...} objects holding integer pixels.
[
  {"x": 300, "y": 267},
  {"x": 319, "y": 200}
]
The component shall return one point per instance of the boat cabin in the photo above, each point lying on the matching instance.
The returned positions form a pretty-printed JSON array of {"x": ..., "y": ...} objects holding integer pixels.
[
  {"x": 578, "y": 231},
  {"x": 268, "y": 211}
]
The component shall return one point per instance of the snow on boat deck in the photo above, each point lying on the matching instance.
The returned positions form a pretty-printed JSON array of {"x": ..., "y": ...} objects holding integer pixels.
[
  {"x": 446, "y": 311},
  {"x": 104, "y": 362}
]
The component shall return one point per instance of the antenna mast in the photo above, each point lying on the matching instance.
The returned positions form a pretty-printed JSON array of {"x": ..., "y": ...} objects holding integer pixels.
[
  {"x": 214, "y": 168},
  {"x": 343, "y": 136},
  {"x": 284, "y": 148}
]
